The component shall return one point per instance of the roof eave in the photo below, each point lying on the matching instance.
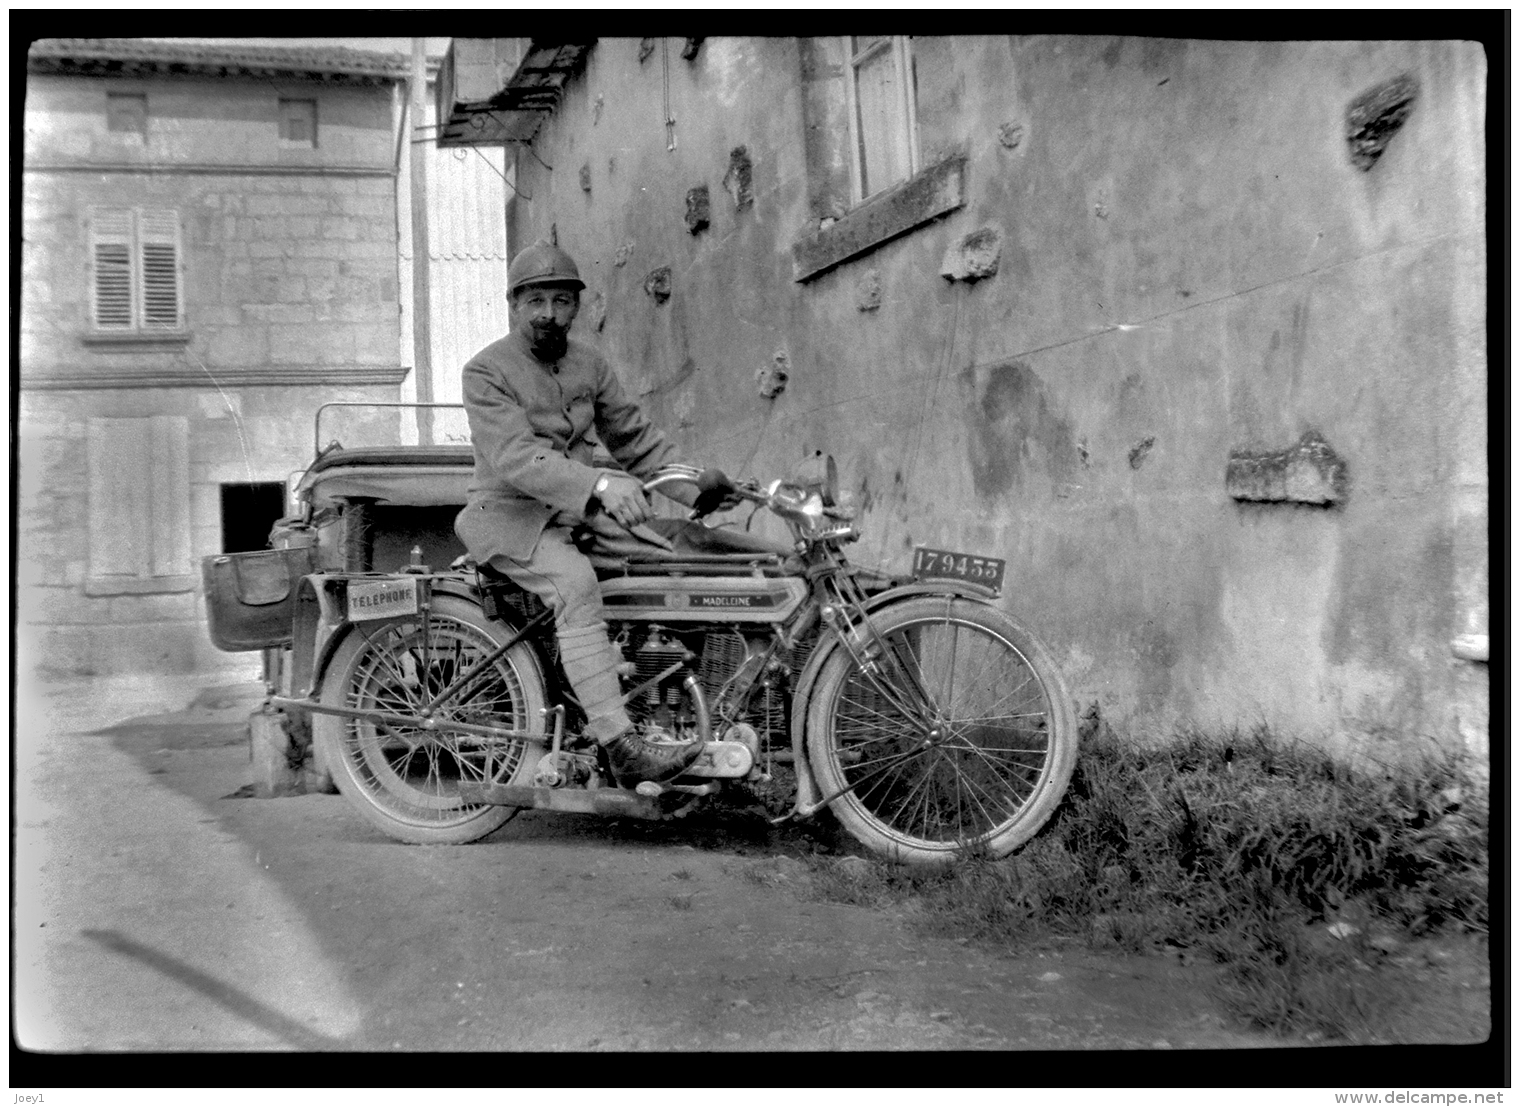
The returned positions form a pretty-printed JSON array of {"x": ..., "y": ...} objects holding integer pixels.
[{"x": 143, "y": 60}]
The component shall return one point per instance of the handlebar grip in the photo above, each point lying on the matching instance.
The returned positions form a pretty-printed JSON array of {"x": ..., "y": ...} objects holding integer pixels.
[{"x": 714, "y": 480}]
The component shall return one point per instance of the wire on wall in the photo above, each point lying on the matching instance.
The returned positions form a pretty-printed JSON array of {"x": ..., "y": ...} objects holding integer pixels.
[{"x": 670, "y": 122}]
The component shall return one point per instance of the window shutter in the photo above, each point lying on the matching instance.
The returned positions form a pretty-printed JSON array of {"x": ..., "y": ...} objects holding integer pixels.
[
  {"x": 169, "y": 496},
  {"x": 111, "y": 268},
  {"x": 298, "y": 122},
  {"x": 139, "y": 505},
  {"x": 120, "y": 471},
  {"x": 163, "y": 297}
]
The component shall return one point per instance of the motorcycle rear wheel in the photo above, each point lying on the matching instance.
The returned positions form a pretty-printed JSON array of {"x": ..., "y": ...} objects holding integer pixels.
[
  {"x": 962, "y": 741},
  {"x": 405, "y": 780}
]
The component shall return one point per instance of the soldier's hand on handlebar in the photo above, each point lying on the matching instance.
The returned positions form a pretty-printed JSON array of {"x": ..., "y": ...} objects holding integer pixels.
[{"x": 624, "y": 500}]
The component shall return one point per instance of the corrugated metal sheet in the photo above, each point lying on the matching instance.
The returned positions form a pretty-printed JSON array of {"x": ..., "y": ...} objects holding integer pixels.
[{"x": 467, "y": 244}]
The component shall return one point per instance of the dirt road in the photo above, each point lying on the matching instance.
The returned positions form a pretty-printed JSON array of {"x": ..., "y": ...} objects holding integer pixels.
[{"x": 159, "y": 910}]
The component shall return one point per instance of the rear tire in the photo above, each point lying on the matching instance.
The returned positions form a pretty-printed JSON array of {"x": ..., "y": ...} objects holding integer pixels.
[
  {"x": 405, "y": 780},
  {"x": 986, "y": 767}
]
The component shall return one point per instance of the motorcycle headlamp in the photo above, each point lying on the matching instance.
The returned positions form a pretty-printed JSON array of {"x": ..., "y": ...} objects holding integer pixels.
[{"x": 819, "y": 474}]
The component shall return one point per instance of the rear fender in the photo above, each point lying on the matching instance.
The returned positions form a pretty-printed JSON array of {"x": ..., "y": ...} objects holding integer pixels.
[{"x": 321, "y": 623}]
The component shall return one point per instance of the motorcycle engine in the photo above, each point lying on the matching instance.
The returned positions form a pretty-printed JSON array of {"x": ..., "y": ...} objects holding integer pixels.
[{"x": 662, "y": 703}]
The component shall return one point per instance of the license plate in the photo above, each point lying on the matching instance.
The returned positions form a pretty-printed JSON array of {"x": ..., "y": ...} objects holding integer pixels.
[
  {"x": 382, "y": 599},
  {"x": 945, "y": 565}
]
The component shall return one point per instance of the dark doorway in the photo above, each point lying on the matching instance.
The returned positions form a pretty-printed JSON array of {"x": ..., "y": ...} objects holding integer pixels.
[{"x": 249, "y": 512}]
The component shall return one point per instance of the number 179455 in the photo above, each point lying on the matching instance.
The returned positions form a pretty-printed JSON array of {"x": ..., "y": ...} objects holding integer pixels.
[{"x": 946, "y": 565}]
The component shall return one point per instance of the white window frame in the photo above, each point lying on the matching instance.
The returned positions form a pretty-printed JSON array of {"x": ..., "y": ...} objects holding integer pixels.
[
  {"x": 149, "y": 239},
  {"x": 900, "y": 49}
]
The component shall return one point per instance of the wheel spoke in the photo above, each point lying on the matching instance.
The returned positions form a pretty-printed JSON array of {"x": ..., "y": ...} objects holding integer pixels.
[
  {"x": 988, "y": 822},
  {"x": 1010, "y": 753},
  {"x": 913, "y": 673},
  {"x": 382, "y": 656},
  {"x": 897, "y": 757},
  {"x": 972, "y": 787},
  {"x": 920, "y": 711},
  {"x": 955, "y": 637},
  {"x": 924, "y": 778},
  {"x": 1013, "y": 698},
  {"x": 965, "y": 719},
  {"x": 888, "y": 722}
]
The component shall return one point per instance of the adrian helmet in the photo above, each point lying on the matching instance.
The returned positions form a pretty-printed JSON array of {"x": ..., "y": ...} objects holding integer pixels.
[{"x": 543, "y": 263}]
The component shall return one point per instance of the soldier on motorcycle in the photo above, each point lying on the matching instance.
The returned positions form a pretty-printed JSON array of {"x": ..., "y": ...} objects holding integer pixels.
[{"x": 532, "y": 397}]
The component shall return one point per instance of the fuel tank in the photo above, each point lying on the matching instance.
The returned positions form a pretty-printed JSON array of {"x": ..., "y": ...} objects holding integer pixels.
[{"x": 696, "y": 599}]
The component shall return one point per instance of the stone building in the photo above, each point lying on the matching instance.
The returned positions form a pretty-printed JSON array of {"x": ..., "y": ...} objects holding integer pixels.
[
  {"x": 210, "y": 253},
  {"x": 1192, "y": 333}
]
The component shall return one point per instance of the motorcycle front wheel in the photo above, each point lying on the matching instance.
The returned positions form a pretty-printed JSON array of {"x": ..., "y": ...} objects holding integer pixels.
[
  {"x": 957, "y": 737},
  {"x": 405, "y": 779}
]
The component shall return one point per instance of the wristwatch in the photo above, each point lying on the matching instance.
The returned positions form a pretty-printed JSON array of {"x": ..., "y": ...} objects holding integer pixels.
[{"x": 603, "y": 482}]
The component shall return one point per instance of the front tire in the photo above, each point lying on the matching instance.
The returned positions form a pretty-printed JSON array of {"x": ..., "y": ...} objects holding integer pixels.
[
  {"x": 405, "y": 780},
  {"x": 962, "y": 740}
]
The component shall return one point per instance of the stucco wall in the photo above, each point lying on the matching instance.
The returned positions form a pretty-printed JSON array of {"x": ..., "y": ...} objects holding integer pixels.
[
  {"x": 1191, "y": 265},
  {"x": 291, "y": 301}
]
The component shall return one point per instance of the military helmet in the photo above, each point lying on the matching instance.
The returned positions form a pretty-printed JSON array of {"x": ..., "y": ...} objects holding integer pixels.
[{"x": 542, "y": 263}]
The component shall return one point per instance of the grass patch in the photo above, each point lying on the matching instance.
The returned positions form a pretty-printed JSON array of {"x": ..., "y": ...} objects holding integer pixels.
[{"x": 1240, "y": 848}]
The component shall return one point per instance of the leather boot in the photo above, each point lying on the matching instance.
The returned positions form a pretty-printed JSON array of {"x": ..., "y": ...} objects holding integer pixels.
[{"x": 633, "y": 758}]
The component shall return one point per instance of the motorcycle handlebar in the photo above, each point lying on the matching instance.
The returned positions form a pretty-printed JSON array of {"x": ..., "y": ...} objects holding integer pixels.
[
  {"x": 715, "y": 480},
  {"x": 671, "y": 476}
]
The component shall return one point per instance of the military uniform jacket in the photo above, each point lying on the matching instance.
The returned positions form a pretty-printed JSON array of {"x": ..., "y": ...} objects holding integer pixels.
[{"x": 529, "y": 422}]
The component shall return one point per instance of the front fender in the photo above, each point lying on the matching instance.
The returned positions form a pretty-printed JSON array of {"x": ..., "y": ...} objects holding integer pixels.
[
  {"x": 802, "y": 700},
  {"x": 965, "y": 589}
]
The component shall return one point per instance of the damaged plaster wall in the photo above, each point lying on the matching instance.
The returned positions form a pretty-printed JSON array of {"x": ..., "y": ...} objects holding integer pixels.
[{"x": 1208, "y": 275}]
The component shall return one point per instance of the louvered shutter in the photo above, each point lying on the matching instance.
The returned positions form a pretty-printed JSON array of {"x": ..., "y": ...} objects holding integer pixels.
[
  {"x": 162, "y": 295},
  {"x": 111, "y": 268}
]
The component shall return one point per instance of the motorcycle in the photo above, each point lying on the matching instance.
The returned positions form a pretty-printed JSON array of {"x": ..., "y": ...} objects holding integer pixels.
[{"x": 928, "y": 721}]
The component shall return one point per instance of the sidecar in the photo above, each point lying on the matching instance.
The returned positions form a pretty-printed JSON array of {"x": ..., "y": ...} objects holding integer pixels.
[{"x": 366, "y": 511}]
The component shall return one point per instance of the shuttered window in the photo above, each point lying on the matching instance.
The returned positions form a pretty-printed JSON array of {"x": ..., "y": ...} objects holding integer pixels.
[
  {"x": 139, "y": 505},
  {"x": 111, "y": 235},
  {"x": 127, "y": 113},
  {"x": 137, "y": 284},
  {"x": 298, "y": 123},
  {"x": 158, "y": 236}
]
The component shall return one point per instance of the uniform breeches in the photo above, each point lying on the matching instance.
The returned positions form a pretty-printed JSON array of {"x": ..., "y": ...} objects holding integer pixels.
[{"x": 561, "y": 576}]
